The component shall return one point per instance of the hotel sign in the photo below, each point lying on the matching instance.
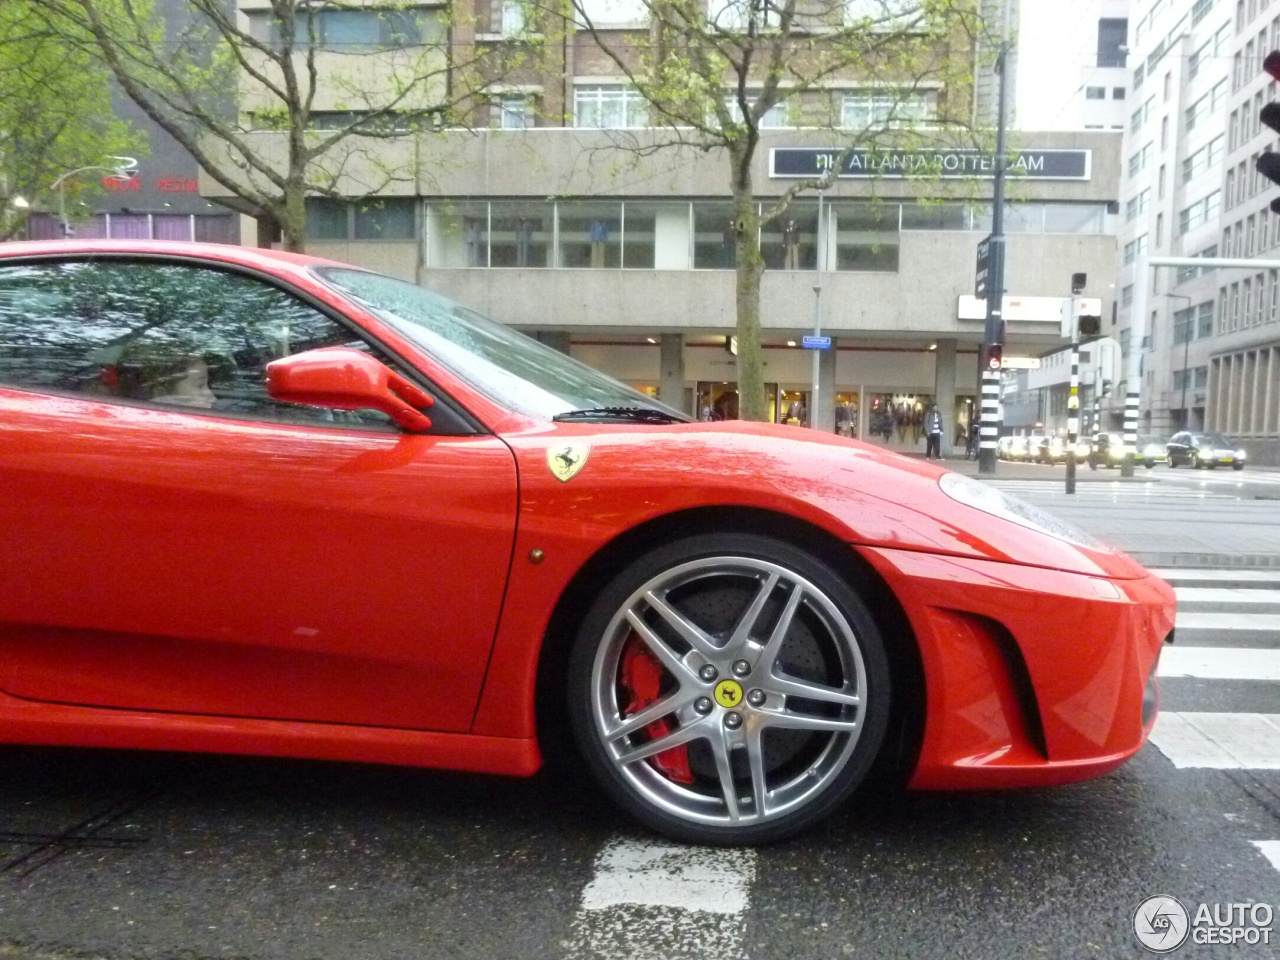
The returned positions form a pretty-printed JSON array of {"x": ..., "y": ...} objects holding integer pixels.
[{"x": 797, "y": 162}]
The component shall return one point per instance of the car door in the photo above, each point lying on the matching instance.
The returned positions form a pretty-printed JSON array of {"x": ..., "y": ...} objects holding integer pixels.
[
  {"x": 1176, "y": 448},
  {"x": 176, "y": 540}
]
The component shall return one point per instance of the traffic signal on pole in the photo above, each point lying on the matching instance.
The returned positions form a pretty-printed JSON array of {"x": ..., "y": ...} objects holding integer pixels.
[
  {"x": 995, "y": 355},
  {"x": 1268, "y": 162}
]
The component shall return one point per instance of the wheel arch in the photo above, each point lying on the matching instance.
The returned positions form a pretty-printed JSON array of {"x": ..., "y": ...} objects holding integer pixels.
[{"x": 906, "y": 723}]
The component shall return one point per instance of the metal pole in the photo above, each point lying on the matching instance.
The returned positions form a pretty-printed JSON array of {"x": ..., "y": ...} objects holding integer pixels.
[
  {"x": 1186, "y": 349},
  {"x": 820, "y": 252},
  {"x": 993, "y": 334},
  {"x": 1073, "y": 409},
  {"x": 62, "y": 209},
  {"x": 817, "y": 332}
]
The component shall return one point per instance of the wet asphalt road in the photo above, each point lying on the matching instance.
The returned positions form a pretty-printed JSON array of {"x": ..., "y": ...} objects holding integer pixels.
[
  {"x": 125, "y": 855},
  {"x": 118, "y": 855}
]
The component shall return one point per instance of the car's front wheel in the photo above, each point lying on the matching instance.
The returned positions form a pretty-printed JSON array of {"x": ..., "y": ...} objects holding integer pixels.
[{"x": 729, "y": 688}]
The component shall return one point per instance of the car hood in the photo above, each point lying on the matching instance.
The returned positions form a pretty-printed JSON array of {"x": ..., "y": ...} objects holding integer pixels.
[{"x": 860, "y": 493}]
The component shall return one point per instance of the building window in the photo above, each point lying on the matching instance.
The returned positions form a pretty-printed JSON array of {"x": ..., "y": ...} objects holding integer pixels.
[
  {"x": 609, "y": 108},
  {"x": 514, "y": 111},
  {"x": 1200, "y": 11},
  {"x": 513, "y": 18},
  {"x": 1117, "y": 93},
  {"x": 352, "y": 31},
  {"x": 388, "y": 218},
  {"x": 1204, "y": 108},
  {"x": 869, "y": 109},
  {"x": 1126, "y": 295},
  {"x": 1200, "y": 212},
  {"x": 1204, "y": 159},
  {"x": 1139, "y": 160},
  {"x": 776, "y": 117},
  {"x": 1112, "y": 34},
  {"x": 1095, "y": 93}
]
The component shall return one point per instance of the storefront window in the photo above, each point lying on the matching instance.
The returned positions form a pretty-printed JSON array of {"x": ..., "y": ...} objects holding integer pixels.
[
  {"x": 520, "y": 234},
  {"x": 898, "y": 418},
  {"x": 846, "y": 418},
  {"x": 934, "y": 216},
  {"x": 590, "y": 235},
  {"x": 713, "y": 236},
  {"x": 719, "y": 400},
  {"x": 793, "y": 407},
  {"x": 866, "y": 236},
  {"x": 639, "y": 235},
  {"x": 790, "y": 242},
  {"x": 458, "y": 234}
]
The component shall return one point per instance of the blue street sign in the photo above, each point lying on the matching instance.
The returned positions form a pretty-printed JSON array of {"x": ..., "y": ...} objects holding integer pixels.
[{"x": 816, "y": 343}]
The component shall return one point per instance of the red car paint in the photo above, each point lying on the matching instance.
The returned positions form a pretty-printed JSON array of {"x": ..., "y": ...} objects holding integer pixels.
[{"x": 184, "y": 581}]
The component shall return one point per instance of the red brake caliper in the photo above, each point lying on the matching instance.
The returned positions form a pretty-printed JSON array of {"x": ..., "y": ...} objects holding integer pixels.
[{"x": 642, "y": 679}]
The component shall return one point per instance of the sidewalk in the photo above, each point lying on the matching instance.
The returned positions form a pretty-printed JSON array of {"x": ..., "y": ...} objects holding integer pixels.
[{"x": 1009, "y": 470}]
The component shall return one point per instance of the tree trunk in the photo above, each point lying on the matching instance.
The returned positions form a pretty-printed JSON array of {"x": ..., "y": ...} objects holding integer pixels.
[
  {"x": 749, "y": 268},
  {"x": 293, "y": 225}
]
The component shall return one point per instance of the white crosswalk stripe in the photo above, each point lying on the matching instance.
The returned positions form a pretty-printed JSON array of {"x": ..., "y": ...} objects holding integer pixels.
[
  {"x": 650, "y": 901},
  {"x": 1220, "y": 741},
  {"x": 1270, "y": 849},
  {"x": 1220, "y": 663},
  {"x": 1222, "y": 605}
]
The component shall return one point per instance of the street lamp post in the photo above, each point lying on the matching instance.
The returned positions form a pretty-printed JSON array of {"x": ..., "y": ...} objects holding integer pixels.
[
  {"x": 1186, "y": 350},
  {"x": 125, "y": 168}
]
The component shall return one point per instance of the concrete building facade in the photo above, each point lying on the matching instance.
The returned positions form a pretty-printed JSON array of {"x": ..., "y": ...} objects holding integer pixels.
[{"x": 563, "y": 220}]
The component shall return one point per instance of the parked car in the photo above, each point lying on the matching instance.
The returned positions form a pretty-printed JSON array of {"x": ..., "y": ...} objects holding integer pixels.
[
  {"x": 262, "y": 503},
  {"x": 1204, "y": 450},
  {"x": 1152, "y": 450}
]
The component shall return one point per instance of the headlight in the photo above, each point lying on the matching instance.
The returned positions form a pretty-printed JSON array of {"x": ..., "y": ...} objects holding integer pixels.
[
  {"x": 1240, "y": 454},
  {"x": 988, "y": 499}
]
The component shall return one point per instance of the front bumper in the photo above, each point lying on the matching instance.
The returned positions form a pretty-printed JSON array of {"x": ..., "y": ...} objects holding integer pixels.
[{"x": 1033, "y": 676}]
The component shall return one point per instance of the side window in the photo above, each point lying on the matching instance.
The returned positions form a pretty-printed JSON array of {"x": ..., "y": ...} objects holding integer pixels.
[{"x": 165, "y": 335}]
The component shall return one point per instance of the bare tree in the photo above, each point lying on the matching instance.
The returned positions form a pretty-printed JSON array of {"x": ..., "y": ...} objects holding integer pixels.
[
  {"x": 291, "y": 98},
  {"x": 713, "y": 73}
]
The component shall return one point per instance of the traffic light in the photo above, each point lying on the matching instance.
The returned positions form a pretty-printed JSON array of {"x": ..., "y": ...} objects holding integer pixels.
[
  {"x": 1268, "y": 162},
  {"x": 1081, "y": 318},
  {"x": 995, "y": 355}
]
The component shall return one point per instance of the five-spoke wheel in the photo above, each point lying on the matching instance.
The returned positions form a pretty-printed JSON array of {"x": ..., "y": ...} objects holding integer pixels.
[{"x": 729, "y": 688}]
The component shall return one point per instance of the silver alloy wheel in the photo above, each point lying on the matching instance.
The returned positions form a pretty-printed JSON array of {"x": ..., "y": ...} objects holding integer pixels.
[{"x": 819, "y": 722}]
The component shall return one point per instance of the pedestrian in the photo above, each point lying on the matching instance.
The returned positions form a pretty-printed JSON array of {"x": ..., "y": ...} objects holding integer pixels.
[
  {"x": 933, "y": 431},
  {"x": 971, "y": 441}
]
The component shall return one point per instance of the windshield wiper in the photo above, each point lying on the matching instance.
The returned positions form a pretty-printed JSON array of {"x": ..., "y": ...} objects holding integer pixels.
[{"x": 634, "y": 414}]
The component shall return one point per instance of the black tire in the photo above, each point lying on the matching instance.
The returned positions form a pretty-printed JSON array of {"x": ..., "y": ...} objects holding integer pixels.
[
  {"x": 708, "y": 579},
  {"x": 1237, "y": 465},
  {"x": 1172, "y": 462},
  {"x": 1149, "y": 464}
]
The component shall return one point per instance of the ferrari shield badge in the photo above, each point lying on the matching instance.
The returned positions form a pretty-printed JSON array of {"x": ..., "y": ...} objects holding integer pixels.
[{"x": 566, "y": 459}]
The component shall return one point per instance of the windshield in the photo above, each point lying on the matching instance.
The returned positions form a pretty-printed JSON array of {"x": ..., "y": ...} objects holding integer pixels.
[
  {"x": 516, "y": 371},
  {"x": 1216, "y": 440}
]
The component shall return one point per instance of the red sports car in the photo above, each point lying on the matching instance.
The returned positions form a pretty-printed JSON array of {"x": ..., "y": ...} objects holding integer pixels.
[{"x": 266, "y": 504}]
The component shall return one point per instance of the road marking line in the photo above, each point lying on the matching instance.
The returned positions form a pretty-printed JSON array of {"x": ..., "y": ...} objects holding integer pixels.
[
  {"x": 1219, "y": 741},
  {"x": 1191, "y": 620},
  {"x": 1240, "y": 595},
  {"x": 649, "y": 900},
  {"x": 1220, "y": 663},
  {"x": 1270, "y": 849},
  {"x": 1241, "y": 575}
]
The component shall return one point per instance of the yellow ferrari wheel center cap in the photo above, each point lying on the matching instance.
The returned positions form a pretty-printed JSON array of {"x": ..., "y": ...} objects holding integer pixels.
[{"x": 728, "y": 693}]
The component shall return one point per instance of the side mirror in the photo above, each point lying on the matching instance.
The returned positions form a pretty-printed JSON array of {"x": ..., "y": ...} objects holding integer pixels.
[{"x": 346, "y": 379}]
